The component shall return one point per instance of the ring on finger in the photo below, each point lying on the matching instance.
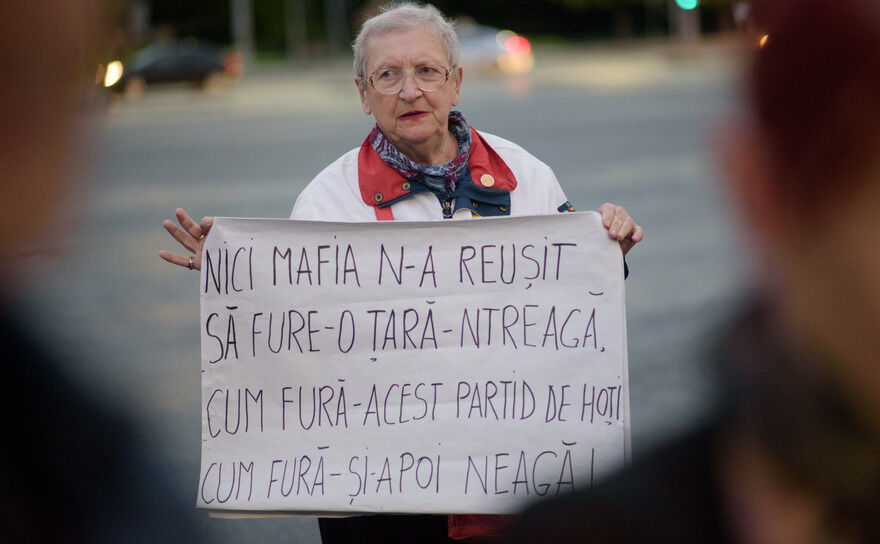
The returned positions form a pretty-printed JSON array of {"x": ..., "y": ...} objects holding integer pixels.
[{"x": 192, "y": 262}]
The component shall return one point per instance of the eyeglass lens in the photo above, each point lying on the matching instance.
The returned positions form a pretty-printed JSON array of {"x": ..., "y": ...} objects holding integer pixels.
[{"x": 391, "y": 80}]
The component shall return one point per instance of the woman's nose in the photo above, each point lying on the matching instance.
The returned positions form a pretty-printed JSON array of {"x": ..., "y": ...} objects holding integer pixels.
[{"x": 410, "y": 90}]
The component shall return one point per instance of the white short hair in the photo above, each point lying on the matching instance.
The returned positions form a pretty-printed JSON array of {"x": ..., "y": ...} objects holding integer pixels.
[{"x": 405, "y": 16}]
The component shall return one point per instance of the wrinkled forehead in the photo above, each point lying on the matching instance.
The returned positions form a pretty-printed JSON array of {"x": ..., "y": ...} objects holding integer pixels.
[{"x": 405, "y": 47}]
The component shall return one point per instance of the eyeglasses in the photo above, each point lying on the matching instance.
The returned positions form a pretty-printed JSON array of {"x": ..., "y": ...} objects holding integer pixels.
[{"x": 427, "y": 77}]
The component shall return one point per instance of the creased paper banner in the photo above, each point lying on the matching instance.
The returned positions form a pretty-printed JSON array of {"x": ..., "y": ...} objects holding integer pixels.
[{"x": 447, "y": 367}]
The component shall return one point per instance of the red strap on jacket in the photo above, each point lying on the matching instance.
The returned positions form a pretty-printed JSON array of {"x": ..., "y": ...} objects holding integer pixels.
[{"x": 384, "y": 214}]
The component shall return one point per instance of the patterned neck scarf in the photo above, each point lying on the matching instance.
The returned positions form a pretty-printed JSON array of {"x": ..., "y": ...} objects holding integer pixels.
[{"x": 442, "y": 179}]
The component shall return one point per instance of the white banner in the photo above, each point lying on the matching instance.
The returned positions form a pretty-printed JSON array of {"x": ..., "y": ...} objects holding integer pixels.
[{"x": 446, "y": 367}]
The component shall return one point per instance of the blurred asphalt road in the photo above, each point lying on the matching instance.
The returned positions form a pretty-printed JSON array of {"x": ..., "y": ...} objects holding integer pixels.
[{"x": 632, "y": 125}]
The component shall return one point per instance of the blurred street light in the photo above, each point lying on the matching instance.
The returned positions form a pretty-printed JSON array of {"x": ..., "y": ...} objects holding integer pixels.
[
  {"x": 684, "y": 19},
  {"x": 243, "y": 29},
  {"x": 337, "y": 31},
  {"x": 295, "y": 28}
]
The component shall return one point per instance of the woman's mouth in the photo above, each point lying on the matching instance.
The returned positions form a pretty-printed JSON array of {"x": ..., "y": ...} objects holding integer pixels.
[{"x": 412, "y": 115}]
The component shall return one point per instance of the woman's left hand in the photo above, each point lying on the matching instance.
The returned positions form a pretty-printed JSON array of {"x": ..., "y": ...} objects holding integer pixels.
[{"x": 621, "y": 226}]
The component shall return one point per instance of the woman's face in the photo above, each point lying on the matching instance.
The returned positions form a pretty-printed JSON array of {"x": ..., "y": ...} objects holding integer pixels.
[{"x": 415, "y": 121}]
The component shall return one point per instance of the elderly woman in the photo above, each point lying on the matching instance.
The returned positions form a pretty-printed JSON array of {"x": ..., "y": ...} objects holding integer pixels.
[{"x": 422, "y": 161}]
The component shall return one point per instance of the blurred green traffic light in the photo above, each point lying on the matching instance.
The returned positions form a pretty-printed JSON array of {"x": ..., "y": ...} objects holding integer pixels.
[{"x": 687, "y": 4}]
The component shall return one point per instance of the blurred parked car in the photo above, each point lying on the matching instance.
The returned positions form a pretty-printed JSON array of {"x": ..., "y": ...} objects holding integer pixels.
[
  {"x": 186, "y": 61},
  {"x": 486, "y": 48}
]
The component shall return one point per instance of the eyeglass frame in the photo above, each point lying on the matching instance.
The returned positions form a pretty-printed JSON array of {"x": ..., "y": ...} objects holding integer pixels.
[{"x": 449, "y": 73}]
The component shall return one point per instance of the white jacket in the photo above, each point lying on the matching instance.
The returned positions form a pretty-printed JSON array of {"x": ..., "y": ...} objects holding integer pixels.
[{"x": 336, "y": 194}]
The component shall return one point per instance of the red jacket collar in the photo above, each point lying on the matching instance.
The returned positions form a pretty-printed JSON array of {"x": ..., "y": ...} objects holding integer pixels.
[{"x": 380, "y": 184}]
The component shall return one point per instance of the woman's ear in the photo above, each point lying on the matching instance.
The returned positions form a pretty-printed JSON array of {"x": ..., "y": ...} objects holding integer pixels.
[{"x": 362, "y": 92}]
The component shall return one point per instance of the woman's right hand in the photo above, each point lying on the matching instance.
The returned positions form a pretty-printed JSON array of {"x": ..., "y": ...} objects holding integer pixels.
[{"x": 191, "y": 237}]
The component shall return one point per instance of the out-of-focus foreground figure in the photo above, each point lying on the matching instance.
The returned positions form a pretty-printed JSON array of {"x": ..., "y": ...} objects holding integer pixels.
[
  {"x": 72, "y": 468},
  {"x": 794, "y": 455}
]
